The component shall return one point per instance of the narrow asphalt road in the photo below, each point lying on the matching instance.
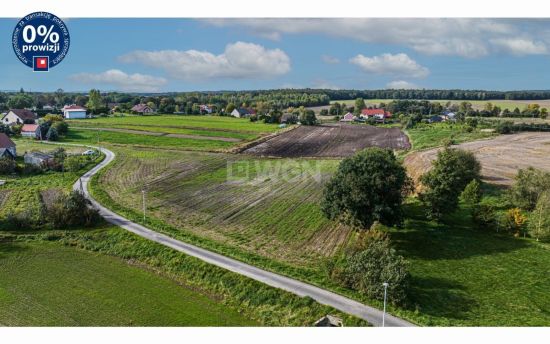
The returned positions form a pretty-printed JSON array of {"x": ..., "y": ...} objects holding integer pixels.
[{"x": 344, "y": 304}]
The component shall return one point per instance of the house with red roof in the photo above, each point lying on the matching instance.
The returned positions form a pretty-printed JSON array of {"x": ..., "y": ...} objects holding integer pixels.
[
  {"x": 377, "y": 114},
  {"x": 31, "y": 130},
  {"x": 74, "y": 111}
]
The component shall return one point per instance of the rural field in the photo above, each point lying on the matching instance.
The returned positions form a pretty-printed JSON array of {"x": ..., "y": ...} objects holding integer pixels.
[
  {"x": 330, "y": 140},
  {"x": 500, "y": 157},
  {"x": 47, "y": 284},
  {"x": 107, "y": 277},
  {"x": 266, "y": 211}
]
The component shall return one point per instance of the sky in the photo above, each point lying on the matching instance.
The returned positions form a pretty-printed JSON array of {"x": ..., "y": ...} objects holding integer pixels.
[{"x": 160, "y": 55}]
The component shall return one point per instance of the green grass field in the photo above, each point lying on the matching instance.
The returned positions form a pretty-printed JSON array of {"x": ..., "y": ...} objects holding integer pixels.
[
  {"x": 208, "y": 123},
  {"x": 425, "y": 136},
  {"x": 49, "y": 284},
  {"x": 90, "y": 137}
]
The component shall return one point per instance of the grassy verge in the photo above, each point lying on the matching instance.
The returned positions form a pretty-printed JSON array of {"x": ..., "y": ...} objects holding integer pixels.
[
  {"x": 244, "y": 301},
  {"x": 48, "y": 284}
]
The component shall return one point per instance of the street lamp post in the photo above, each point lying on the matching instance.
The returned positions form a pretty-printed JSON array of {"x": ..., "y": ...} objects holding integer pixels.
[{"x": 385, "y": 284}]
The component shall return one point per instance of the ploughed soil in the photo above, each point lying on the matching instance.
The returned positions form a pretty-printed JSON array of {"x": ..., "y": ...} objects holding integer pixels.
[
  {"x": 329, "y": 140},
  {"x": 500, "y": 158}
]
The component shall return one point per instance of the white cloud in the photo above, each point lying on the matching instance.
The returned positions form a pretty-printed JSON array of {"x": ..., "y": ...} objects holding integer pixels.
[
  {"x": 122, "y": 81},
  {"x": 330, "y": 59},
  {"x": 240, "y": 60},
  {"x": 398, "y": 64},
  {"x": 468, "y": 37},
  {"x": 401, "y": 85},
  {"x": 520, "y": 46}
]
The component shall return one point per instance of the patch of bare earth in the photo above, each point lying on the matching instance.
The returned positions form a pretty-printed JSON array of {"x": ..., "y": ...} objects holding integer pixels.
[
  {"x": 500, "y": 157},
  {"x": 329, "y": 140}
]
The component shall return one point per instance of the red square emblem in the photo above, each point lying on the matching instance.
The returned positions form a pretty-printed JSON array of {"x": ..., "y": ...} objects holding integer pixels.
[{"x": 41, "y": 63}]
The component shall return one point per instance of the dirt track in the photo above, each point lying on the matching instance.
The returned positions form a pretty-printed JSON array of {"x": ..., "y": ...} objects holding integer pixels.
[
  {"x": 500, "y": 157},
  {"x": 330, "y": 140}
]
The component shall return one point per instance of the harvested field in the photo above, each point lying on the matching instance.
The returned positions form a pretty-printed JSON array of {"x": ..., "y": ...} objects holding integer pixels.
[
  {"x": 268, "y": 207},
  {"x": 330, "y": 140},
  {"x": 500, "y": 157}
]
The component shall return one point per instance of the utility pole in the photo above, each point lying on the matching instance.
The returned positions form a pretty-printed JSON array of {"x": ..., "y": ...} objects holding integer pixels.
[
  {"x": 144, "y": 207},
  {"x": 385, "y": 284}
]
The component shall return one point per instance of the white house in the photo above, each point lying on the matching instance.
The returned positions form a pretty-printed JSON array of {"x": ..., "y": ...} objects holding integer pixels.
[
  {"x": 74, "y": 112},
  {"x": 242, "y": 112},
  {"x": 19, "y": 116},
  {"x": 349, "y": 117}
]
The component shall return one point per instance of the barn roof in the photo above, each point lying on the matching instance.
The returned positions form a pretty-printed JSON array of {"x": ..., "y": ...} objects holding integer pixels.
[{"x": 5, "y": 141}]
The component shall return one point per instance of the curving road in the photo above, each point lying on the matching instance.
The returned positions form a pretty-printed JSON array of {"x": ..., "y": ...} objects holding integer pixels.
[{"x": 344, "y": 304}]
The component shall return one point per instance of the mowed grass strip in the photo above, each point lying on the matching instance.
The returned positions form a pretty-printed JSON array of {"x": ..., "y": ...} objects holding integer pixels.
[
  {"x": 227, "y": 123},
  {"x": 90, "y": 137},
  {"x": 52, "y": 285}
]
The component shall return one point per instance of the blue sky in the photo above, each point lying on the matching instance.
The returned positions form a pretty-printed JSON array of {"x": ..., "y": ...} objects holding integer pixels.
[{"x": 186, "y": 54}]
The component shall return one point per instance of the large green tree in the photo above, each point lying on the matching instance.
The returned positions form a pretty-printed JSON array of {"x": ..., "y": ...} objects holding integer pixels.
[
  {"x": 369, "y": 186},
  {"x": 529, "y": 184},
  {"x": 451, "y": 172},
  {"x": 95, "y": 101},
  {"x": 539, "y": 221}
]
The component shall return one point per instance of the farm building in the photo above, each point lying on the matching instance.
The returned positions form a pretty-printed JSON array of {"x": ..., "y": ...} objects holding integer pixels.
[
  {"x": 74, "y": 112},
  {"x": 38, "y": 158},
  {"x": 378, "y": 114},
  {"x": 349, "y": 117},
  {"x": 19, "y": 116},
  {"x": 31, "y": 130},
  {"x": 449, "y": 116},
  {"x": 142, "y": 108},
  {"x": 7, "y": 147},
  {"x": 243, "y": 112}
]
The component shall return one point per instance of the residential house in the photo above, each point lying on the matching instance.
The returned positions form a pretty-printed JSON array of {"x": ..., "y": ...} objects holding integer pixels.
[
  {"x": 142, "y": 108},
  {"x": 449, "y": 116},
  {"x": 206, "y": 109},
  {"x": 349, "y": 117},
  {"x": 379, "y": 115},
  {"x": 19, "y": 116},
  {"x": 38, "y": 159},
  {"x": 7, "y": 147},
  {"x": 243, "y": 112},
  {"x": 48, "y": 107},
  {"x": 31, "y": 130},
  {"x": 74, "y": 112}
]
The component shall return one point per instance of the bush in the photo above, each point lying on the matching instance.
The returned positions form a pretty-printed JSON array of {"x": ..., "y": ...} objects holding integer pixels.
[
  {"x": 73, "y": 210},
  {"x": 61, "y": 126},
  {"x": 307, "y": 117},
  {"x": 485, "y": 216},
  {"x": 529, "y": 184},
  {"x": 74, "y": 163},
  {"x": 373, "y": 262},
  {"x": 472, "y": 193},
  {"x": 452, "y": 171},
  {"x": 24, "y": 220},
  {"x": 7, "y": 165},
  {"x": 52, "y": 134},
  {"x": 369, "y": 186}
]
